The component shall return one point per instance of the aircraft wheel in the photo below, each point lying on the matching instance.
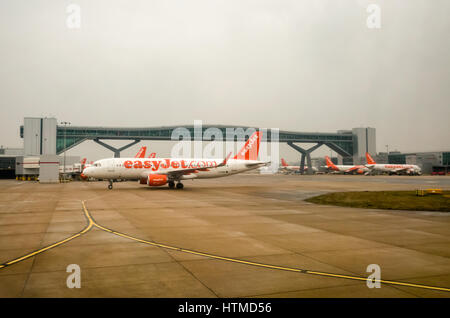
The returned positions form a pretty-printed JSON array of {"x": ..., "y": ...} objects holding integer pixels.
[
  {"x": 110, "y": 187},
  {"x": 171, "y": 184},
  {"x": 179, "y": 185}
]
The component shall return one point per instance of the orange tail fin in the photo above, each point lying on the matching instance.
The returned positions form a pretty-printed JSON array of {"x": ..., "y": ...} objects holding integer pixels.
[
  {"x": 370, "y": 160},
  {"x": 283, "y": 162},
  {"x": 83, "y": 161},
  {"x": 251, "y": 148},
  {"x": 330, "y": 163},
  {"x": 141, "y": 153}
]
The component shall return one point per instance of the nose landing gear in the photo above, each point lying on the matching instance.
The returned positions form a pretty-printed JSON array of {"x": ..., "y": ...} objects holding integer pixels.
[{"x": 110, "y": 186}]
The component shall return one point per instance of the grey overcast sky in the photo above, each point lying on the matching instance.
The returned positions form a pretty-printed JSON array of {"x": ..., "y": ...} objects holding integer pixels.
[{"x": 296, "y": 65}]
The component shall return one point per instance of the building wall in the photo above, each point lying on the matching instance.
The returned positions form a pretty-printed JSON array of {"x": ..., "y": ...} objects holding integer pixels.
[
  {"x": 49, "y": 169},
  {"x": 31, "y": 165},
  {"x": 39, "y": 136},
  {"x": 49, "y": 136},
  {"x": 364, "y": 140},
  {"x": 31, "y": 136},
  {"x": 11, "y": 151}
]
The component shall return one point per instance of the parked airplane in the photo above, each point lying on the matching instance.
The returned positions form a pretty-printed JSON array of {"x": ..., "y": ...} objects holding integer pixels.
[
  {"x": 161, "y": 171},
  {"x": 392, "y": 168},
  {"x": 346, "y": 168},
  {"x": 292, "y": 169}
]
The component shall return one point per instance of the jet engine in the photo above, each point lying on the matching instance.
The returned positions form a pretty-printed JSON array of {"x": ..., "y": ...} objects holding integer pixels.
[{"x": 154, "y": 180}]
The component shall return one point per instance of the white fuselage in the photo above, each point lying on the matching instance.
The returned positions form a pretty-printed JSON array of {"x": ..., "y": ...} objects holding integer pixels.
[
  {"x": 136, "y": 168},
  {"x": 396, "y": 168}
]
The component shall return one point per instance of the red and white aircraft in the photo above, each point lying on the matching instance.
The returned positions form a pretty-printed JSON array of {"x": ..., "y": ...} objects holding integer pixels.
[
  {"x": 392, "y": 168},
  {"x": 292, "y": 169},
  {"x": 360, "y": 169},
  {"x": 161, "y": 171}
]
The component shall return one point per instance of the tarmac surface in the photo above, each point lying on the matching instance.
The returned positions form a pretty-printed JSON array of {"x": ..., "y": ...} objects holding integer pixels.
[{"x": 231, "y": 224}]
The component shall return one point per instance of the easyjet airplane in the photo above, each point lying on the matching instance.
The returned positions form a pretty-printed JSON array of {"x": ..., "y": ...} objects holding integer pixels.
[
  {"x": 392, "y": 168},
  {"x": 290, "y": 169},
  {"x": 161, "y": 171},
  {"x": 345, "y": 168}
]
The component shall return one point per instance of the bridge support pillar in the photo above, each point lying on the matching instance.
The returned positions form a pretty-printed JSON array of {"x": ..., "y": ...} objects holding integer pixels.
[
  {"x": 306, "y": 153},
  {"x": 116, "y": 150}
]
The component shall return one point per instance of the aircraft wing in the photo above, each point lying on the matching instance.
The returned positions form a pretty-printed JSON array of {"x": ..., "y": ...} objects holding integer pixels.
[
  {"x": 352, "y": 169},
  {"x": 400, "y": 169},
  {"x": 253, "y": 164}
]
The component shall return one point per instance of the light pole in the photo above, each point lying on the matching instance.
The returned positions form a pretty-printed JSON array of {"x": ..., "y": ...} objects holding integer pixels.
[{"x": 65, "y": 123}]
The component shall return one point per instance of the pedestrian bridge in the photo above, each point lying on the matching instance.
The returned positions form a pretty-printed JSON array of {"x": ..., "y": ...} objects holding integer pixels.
[{"x": 71, "y": 136}]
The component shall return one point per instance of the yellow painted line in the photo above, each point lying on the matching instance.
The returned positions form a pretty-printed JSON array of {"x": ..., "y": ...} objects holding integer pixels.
[
  {"x": 234, "y": 260},
  {"x": 36, "y": 252}
]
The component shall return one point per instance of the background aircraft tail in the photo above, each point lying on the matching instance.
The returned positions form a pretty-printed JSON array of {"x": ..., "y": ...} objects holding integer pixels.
[
  {"x": 283, "y": 162},
  {"x": 330, "y": 163},
  {"x": 141, "y": 153},
  {"x": 251, "y": 148},
  {"x": 370, "y": 160}
]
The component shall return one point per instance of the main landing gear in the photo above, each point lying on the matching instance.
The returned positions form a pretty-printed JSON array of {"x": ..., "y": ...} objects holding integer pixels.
[
  {"x": 110, "y": 186},
  {"x": 172, "y": 185}
]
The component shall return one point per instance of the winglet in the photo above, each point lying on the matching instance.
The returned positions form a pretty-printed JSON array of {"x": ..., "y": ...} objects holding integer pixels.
[{"x": 224, "y": 162}]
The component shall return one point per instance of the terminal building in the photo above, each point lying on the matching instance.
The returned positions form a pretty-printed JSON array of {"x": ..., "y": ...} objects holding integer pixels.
[{"x": 38, "y": 158}]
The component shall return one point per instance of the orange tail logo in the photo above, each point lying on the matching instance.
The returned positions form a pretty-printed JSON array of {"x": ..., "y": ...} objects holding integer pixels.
[
  {"x": 251, "y": 148},
  {"x": 283, "y": 162},
  {"x": 330, "y": 163},
  {"x": 141, "y": 153},
  {"x": 370, "y": 160}
]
